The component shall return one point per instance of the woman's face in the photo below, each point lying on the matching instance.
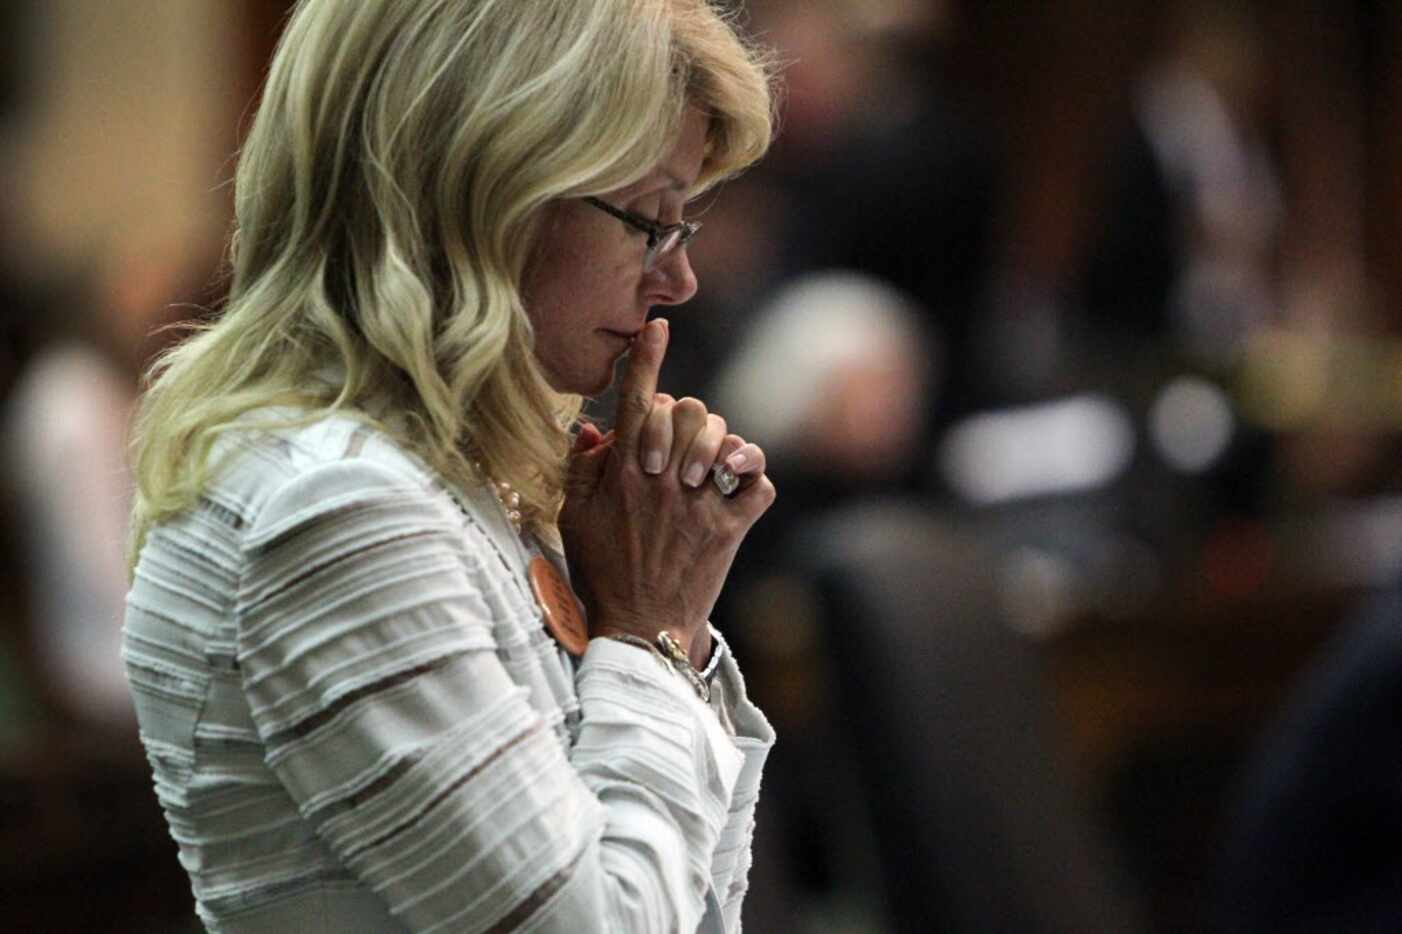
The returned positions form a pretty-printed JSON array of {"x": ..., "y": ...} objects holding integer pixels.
[{"x": 585, "y": 290}]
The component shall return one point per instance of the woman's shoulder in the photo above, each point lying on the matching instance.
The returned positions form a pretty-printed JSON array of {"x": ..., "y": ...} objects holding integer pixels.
[{"x": 278, "y": 465}]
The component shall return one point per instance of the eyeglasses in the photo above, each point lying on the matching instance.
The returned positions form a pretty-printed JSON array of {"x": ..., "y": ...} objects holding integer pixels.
[{"x": 661, "y": 239}]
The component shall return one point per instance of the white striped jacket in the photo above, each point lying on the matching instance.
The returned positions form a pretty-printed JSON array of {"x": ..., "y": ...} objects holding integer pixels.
[{"x": 357, "y": 721}]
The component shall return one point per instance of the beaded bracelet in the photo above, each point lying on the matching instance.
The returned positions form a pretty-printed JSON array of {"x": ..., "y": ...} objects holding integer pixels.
[{"x": 667, "y": 648}]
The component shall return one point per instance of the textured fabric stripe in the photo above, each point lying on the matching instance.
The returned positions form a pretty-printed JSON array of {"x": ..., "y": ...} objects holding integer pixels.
[
  {"x": 302, "y": 728},
  {"x": 533, "y": 902},
  {"x": 444, "y": 794}
]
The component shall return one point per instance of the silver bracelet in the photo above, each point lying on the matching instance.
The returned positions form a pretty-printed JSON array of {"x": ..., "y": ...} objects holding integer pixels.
[{"x": 667, "y": 648}]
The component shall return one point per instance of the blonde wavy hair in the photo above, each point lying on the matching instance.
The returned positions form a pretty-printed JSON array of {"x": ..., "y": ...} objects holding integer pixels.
[{"x": 388, "y": 196}]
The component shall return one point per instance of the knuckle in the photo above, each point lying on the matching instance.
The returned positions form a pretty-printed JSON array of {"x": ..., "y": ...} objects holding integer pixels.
[
  {"x": 655, "y": 427},
  {"x": 635, "y": 400},
  {"x": 717, "y": 424},
  {"x": 625, "y": 475},
  {"x": 628, "y": 496},
  {"x": 690, "y": 405}
]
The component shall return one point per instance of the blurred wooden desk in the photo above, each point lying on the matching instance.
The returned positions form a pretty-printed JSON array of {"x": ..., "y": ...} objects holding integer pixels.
[
  {"x": 1218, "y": 667},
  {"x": 1157, "y": 714}
]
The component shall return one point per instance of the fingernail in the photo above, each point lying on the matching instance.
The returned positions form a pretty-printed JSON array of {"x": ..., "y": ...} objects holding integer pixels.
[
  {"x": 694, "y": 475},
  {"x": 737, "y": 461},
  {"x": 654, "y": 335},
  {"x": 652, "y": 462}
]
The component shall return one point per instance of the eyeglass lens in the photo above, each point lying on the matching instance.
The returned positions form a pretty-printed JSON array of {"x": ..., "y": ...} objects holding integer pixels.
[{"x": 665, "y": 244}]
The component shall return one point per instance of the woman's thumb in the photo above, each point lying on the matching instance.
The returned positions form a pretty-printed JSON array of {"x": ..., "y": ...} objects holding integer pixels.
[
  {"x": 588, "y": 456},
  {"x": 588, "y": 437}
]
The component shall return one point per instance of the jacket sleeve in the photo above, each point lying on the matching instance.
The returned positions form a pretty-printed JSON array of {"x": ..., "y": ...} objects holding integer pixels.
[
  {"x": 754, "y": 737},
  {"x": 366, "y": 655}
]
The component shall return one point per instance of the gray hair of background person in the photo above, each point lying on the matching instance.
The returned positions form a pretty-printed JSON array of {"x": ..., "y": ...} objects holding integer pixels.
[{"x": 806, "y": 340}]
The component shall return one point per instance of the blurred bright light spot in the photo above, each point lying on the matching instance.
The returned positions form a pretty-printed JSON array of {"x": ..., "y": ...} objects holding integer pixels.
[
  {"x": 1285, "y": 382},
  {"x": 1191, "y": 424},
  {"x": 1073, "y": 445}
]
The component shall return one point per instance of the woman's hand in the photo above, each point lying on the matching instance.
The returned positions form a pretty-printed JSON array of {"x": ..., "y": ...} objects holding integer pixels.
[
  {"x": 649, "y": 540},
  {"x": 680, "y": 435}
]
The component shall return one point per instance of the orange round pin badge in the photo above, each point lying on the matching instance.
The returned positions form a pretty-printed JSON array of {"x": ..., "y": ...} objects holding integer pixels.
[{"x": 558, "y": 606}]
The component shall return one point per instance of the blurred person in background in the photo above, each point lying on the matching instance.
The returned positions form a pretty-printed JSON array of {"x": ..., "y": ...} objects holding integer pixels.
[
  {"x": 358, "y": 493},
  {"x": 883, "y": 170},
  {"x": 1186, "y": 250},
  {"x": 834, "y": 371},
  {"x": 837, "y": 372},
  {"x": 941, "y": 807},
  {"x": 65, "y": 431},
  {"x": 81, "y": 284},
  {"x": 1176, "y": 273},
  {"x": 1181, "y": 271},
  {"x": 109, "y": 220}
]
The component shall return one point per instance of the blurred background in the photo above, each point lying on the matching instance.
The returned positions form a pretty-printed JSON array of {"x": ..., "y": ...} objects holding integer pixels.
[{"x": 1071, "y": 332}]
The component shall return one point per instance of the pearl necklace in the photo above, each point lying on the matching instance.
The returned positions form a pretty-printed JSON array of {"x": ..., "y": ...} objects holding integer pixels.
[{"x": 510, "y": 500}]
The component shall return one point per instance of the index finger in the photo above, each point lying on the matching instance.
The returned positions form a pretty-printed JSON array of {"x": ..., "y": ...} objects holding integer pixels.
[{"x": 639, "y": 383}]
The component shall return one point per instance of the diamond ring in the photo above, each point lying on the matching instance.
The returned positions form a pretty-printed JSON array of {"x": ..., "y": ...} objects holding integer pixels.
[{"x": 724, "y": 479}]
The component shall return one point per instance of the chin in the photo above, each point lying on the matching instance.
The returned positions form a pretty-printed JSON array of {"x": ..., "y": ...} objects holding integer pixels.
[
  {"x": 582, "y": 384},
  {"x": 598, "y": 388}
]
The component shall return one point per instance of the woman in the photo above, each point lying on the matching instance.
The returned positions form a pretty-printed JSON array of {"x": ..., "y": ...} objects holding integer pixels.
[{"x": 352, "y": 653}]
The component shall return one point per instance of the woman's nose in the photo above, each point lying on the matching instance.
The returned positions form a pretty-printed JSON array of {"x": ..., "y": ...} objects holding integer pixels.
[{"x": 674, "y": 281}]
